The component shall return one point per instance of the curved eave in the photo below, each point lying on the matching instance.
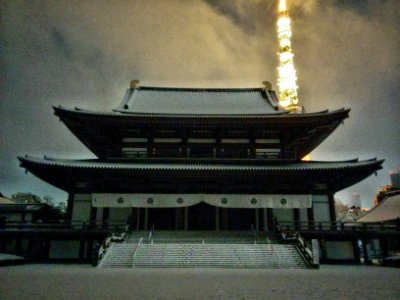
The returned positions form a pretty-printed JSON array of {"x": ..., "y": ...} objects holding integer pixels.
[
  {"x": 63, "y": 173},
  {"x": 88, "y": 114}
]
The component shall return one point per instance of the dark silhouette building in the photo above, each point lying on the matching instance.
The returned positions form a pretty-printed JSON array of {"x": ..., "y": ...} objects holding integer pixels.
[{"x": 200, "y": 159}]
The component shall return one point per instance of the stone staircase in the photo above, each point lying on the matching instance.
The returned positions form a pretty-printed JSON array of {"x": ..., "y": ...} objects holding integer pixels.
[
  {"x": 267, "y": 256},
  {"x": 119, "y": 255},
  {"x": 200, "y": 250}
]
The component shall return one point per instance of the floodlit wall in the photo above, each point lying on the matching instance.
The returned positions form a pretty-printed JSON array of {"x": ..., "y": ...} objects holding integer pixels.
[
  {"x": 339, "y": 250},
  {"x": 81, "y": 207},
  {"x": 321, "y": 208}
]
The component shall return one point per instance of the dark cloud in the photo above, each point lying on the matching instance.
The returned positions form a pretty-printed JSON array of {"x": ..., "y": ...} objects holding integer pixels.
[
  {"x": 84, "y": 53},
  {"x": 247, "y": 15},
  {"x": 61, "y": 43}
]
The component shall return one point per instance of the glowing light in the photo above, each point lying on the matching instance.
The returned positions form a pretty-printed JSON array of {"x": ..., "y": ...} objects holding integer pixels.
[
  {"x": 282, "y": 5},
  {"x": 306, "y": 158},
  {"x": 286, "y": 71}
]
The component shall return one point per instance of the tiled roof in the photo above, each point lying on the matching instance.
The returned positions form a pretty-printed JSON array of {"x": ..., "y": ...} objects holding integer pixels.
[
  {"x": 153, "y": 100},
  {"x": 199, "y": 166},
  {"x": 386, "y": 210}
]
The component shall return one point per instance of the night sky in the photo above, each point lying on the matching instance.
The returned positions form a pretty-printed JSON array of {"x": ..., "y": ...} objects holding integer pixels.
[{"x": 84, "y": 53}]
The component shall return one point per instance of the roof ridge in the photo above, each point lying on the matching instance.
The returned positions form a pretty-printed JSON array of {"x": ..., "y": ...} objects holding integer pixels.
[{"x": 195, "y": 89}]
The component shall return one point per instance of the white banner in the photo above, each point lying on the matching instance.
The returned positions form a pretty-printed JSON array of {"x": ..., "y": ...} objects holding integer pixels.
[{"x": 220, "y": 200}]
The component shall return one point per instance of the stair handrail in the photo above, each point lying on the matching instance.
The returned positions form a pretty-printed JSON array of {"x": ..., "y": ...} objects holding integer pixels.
[
  {"x": 276, "y": 256},
  {"x": 100, "y": 250},
  {"x": 137, "y": 249},
  {"x": 149, "y": 239},
  {"x": 309, "y": 252}
]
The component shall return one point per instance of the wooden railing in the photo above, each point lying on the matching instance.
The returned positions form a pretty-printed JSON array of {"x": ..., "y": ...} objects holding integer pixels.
[
  {"x": 114, "y": 226},
  {"x": 333, "y": 226}
]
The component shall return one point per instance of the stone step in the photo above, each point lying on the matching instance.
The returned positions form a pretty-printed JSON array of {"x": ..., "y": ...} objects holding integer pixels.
[{"x": 218, "y": 255}]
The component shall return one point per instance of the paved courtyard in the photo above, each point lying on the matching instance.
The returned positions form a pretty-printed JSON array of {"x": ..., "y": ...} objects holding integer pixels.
[{"x": 83, "y": 282}]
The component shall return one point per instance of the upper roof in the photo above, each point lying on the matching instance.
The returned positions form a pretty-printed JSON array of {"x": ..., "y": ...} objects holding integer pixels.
[
  {"x": 386, "y": 210},
  {"x": 157, "y": 100},
  {"x": 201, "y": 164}
]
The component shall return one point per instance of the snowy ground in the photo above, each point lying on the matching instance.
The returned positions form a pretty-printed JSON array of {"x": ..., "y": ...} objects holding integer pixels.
[
  {"x": 8, "y": 257},
  {"x": 84, "y": 282}
]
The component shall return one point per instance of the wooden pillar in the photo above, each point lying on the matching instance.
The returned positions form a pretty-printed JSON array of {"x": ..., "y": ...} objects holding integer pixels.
[
  {"x": 186, "y": 218},
  {"x": 216, "y": 218},
  {"x": 146, "y": 218},
  {"x": 257, "y": 219},
  {"x": 138, "y": 218},
  {"x": 265, "y": 219}
]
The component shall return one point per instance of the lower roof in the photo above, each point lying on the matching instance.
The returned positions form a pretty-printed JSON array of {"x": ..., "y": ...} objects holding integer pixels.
[
  {"x": 200, "y": 176},
  {"x": 387, "y": 210}
]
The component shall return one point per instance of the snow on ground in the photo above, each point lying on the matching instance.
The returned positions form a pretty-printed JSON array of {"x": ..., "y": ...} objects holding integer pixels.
[
  {"x": 84, "y": 282},
  {"x": 7, "y": 257}
]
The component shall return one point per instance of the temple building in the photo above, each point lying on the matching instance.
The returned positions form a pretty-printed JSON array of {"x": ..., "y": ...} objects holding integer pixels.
[{"x": 200, "y": 159}]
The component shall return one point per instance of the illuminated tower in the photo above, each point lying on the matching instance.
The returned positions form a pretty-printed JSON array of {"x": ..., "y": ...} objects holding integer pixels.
[{"x": 286, "y": 71}]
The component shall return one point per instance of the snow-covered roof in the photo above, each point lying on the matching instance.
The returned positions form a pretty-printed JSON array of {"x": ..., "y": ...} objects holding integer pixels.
[
  {"x": 386, "y": 210},
  {"x": 158, "y": 100}
]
